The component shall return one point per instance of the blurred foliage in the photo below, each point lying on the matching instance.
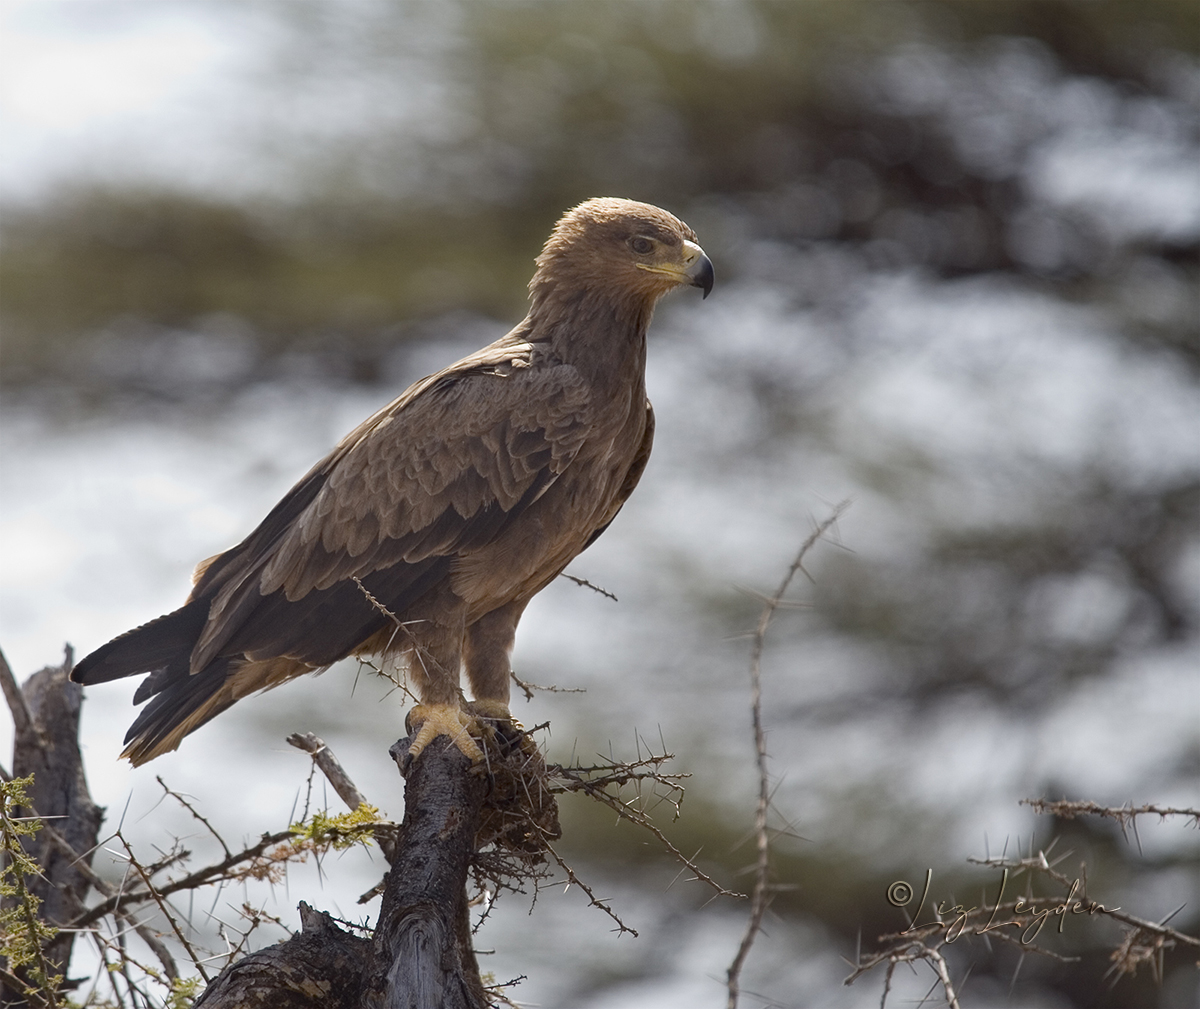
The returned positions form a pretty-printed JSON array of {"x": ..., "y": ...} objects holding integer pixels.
[
  {"x": 1018, "y": 613},
  {"x": 23, "y": 933},
  {"x": 750, "y": 118},
  {"x": 148, "y": 262}
]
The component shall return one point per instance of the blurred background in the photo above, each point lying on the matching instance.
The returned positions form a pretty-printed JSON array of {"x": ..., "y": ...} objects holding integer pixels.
[{"x": 957, "y": 253}]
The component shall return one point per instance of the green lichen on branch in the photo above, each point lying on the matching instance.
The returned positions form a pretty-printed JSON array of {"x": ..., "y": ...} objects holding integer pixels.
[
  {"x": 23, "y": 934},
  {"x": 317, "y": 834},
  {"x": 322, "y": 831},
  {"x": 183, "y": 993}
]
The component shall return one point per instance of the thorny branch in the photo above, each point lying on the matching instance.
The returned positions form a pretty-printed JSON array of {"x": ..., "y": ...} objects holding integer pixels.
[
  {"x": 759, "y": 898},
  {"x": 1145, "y": 942},
  {"x": 262, "y": 860},
  {"x": 1068, "y": 809},
  {"x": 573, "y": 880},
  {"x": 195, "y": 814},
  {"x": 418, "y": 650},
  {"x": 910, "y": 952},
  {"x": 226, "y": 869},
  {"x": 925, "y": 941},
  {"x": 576, "y": 779},
  {"x": 528, "y": 688},
  {"x": 1078, "y": 891},
  {"x": 102, "y": 885}
]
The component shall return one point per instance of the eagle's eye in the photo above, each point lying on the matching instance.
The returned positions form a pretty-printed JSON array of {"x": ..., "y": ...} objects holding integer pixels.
[{"x": 642, "y": 245}]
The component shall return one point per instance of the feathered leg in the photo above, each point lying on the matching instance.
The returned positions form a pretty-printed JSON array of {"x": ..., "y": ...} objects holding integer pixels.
[
  {"x": 486, "y": 655},
  {"x": 432, "y": 639}
]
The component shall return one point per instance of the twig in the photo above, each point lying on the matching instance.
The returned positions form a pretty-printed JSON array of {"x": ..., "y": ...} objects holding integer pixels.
[
  {"x": 255, "y": 916},
  {"x": 1039, "y": 864},
  {"x": 529, "y": 688},
  {"x": 910, "y": 952},
  {"x": 1154, "y": 928},
  {"x": 208, "y": 874},
  {"x": 584, "y": 583},
  {"x": 156, "y": 945},
  {"x": 330, "y": 766},
  {"x": 195, "y": 813},
  {"x": 162, "y": 906},
  {"x": 759, "y": 896},
  {"x": 943, "y": 972},
  {"x": 79, "y": 864},
  {"x": 639, "y": 818},
  {"x": 572, "y": 879},
  {"x": 125, "y": 959},
  {"x": 15, "y": 984}
]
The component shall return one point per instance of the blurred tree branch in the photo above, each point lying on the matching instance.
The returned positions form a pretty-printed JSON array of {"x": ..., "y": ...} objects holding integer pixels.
[{"x": 760, "y": 897}]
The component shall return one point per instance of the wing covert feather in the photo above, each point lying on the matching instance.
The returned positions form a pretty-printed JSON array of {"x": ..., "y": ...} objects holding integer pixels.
[{"x": 409, "y": 484}]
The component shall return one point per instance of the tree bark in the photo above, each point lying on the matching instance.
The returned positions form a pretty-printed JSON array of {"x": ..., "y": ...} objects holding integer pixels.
[
  {"x": 46, "y": 745},
  {"x": 321, "y": 967},
  {"x": 421, "y": 956},
  {"x": 423, "y": 952}
]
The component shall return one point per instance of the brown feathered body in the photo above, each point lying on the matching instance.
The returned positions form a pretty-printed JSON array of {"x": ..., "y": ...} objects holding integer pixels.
[{"x": 428, "y": 529}]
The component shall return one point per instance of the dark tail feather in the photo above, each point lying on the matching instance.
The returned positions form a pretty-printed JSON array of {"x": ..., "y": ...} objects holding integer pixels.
[
  {"x": 165, "y": 642},
  {"x": 162, "y": 648},
  {"x": 181, "y": 703}
]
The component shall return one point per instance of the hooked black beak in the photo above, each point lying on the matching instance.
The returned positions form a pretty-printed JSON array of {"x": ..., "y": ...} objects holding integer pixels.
[
  {"x": 699, "y": 269},
  {"x": 702, "y": 276}
]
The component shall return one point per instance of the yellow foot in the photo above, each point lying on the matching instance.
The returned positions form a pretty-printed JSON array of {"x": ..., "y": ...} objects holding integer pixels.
[
  {"x": 443, "y": 720},
  {"x": 496, "y": 716}
]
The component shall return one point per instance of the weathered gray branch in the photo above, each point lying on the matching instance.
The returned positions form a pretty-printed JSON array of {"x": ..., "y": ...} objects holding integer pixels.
[{"x": 330, "y": 766}]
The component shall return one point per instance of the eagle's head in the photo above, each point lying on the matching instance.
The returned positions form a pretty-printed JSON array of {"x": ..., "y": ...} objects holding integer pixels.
[{"x": 621, "y": 251}]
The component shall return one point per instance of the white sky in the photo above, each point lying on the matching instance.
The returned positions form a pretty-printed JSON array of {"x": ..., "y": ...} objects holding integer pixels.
[
  {"x": 132, "y": 88},
  {"x": 214, "y": 95}
]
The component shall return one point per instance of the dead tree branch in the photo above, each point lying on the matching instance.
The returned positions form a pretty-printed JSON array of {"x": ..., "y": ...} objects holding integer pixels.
[
  {"x": 330, "y": 766},
  {"x": 230, "y": 868},
  {"x": 581, "y": 779},
  {"x": 46, "y": 719}
]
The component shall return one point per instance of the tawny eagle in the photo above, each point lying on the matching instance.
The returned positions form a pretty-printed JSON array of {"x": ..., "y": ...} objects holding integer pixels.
[{"x": 428, "y": 529}]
